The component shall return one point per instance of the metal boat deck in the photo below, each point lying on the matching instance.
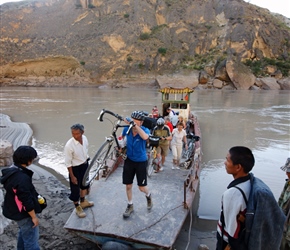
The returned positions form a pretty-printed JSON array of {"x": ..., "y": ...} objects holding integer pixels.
[{"x": 154, "y": 229}]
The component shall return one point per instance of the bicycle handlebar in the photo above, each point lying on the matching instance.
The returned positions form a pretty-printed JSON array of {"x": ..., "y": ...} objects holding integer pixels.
[
  {"x": 132, "y": 124},
  {"x": 120, "y": 118},
  {"x": 104, "y": 111}
]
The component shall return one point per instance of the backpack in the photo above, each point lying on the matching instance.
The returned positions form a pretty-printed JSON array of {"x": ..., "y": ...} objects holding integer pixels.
[
  {"x": 264, "y": 219},
  {"x": 149, "y": 123}
]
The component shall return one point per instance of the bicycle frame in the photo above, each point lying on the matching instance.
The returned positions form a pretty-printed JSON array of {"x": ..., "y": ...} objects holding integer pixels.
[
  {"x": 116, "y": 127},
  {"x": 154, "y": 152},
  {"x": 191, "y": 139},
  {"x": 104, "y": 157},
  {"x": 152, "y": 155}
]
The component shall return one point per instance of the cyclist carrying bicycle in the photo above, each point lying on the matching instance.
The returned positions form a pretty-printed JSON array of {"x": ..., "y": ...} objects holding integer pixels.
[
  {"x": 162, "y": 131},
  {"x": 136, "y": 162}
]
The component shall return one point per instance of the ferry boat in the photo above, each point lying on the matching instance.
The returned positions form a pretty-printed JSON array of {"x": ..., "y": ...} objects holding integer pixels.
[{"x": 173, "y": 193}]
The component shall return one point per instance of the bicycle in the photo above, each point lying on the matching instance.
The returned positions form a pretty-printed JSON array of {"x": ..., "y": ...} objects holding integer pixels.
[
  {"x": 110, "y": 154},
  {"x": 191, "y": 139},
  {"x": 152, "y": 154}
]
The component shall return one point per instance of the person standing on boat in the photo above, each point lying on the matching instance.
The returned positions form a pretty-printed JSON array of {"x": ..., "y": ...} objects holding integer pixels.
[
  {"x": 168, "y": 123},
  {"x": 170, "y": 113},
  {"x": 155, "y": 113},
  {"x": 162, "y": 131},
  {"x": 178, "y": 137},
  {"x": 136, "y": 162},
  {"x": 180, "y": 119},
  {"x": 172, "y": 116},
  {"x": 76, "y": 161}
]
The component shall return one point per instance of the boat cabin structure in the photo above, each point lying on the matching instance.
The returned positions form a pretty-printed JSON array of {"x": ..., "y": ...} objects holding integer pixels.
[{"x": 177, "y": 99}]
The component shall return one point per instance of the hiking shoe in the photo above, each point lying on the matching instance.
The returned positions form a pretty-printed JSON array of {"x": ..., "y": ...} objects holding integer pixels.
[
  {"x": 86, "y": 203},
  {"x": 128, "y": 211},
  {"x": 149, "y": 202},
  {"x": 80, "y": 212}
]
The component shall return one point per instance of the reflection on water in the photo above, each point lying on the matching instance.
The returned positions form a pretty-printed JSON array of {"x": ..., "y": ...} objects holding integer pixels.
[{"x": 256, "y": 119}]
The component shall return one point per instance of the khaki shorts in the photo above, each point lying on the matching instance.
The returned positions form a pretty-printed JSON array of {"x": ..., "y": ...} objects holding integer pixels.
[{"x": 163, "y": 150}]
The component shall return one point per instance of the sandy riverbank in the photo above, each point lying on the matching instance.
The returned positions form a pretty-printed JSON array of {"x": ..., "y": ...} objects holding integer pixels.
[{"x": 55, "y": 189}]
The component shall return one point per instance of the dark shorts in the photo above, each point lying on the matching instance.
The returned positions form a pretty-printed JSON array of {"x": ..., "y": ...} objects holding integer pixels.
[
  {"x": 79, "y": 172},
  {"x": 132, "y": 168}
]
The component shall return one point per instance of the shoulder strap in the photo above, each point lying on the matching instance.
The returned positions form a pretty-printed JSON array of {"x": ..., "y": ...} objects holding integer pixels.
[{"x": 243, "y": 193}]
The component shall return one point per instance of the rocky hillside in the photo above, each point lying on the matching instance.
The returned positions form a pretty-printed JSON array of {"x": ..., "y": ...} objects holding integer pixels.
[{"x": 101, "y": 40}]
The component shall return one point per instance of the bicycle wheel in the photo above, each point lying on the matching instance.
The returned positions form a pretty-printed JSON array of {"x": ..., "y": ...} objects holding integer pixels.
[
  {"x": 184, "y": 151},
  {"x": 189, "y": 151},
  {"x": 150, "y": 164},
  {"x": 115, "y": 159},
  {"x": 98, "y": 162}
]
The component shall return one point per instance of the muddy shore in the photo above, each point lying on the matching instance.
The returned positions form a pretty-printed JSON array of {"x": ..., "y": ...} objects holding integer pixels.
[{"x": 54, "y": 188}]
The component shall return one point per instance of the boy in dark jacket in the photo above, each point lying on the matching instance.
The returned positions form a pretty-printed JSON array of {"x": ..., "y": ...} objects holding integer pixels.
[{"x": 20, "y": 201}]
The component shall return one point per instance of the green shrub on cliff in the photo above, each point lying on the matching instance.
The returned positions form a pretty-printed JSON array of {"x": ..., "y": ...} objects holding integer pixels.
[
  {"x": 144, "y": 36},
  {"x": 162, "y": 51},
  {"x": 258, "y": 66}
]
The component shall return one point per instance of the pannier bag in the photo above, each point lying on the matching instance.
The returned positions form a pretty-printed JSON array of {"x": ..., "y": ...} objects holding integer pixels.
[{"x": 154, "y": 141}]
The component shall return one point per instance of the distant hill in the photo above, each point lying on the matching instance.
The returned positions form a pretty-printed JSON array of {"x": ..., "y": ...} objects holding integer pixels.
[{"x": 114, "y": 39}]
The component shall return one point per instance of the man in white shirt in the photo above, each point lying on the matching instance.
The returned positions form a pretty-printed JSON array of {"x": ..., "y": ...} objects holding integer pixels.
[
  {"x": 172, "y": 116},
  {"x": 76, "y": 161}
]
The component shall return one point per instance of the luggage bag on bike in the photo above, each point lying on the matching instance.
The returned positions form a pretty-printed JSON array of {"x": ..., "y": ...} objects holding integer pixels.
[{"x": 154, "y": 141}]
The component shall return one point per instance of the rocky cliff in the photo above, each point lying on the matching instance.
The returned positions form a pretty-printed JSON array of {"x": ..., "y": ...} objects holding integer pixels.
[{"x": 101, "y": 40}]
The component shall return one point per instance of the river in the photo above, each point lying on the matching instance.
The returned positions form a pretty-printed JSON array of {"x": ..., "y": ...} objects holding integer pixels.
[{"x": 259, "y": 120}]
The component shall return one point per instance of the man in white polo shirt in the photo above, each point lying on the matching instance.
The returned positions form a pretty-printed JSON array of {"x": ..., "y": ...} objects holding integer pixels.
[{"x": 76, "y": 161}]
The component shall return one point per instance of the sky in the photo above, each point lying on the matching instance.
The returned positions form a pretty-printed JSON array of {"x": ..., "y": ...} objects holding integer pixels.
[{"x": 277, "y": 6}]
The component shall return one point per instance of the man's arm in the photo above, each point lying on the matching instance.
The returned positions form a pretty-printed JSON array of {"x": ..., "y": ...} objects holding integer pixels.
[
  {"x": 141, "y": 132},
  {"x": 72, "y": 177}
]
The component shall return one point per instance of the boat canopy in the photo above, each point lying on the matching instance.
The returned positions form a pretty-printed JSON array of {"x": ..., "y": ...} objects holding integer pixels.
[{"x": 176, "y": 90}]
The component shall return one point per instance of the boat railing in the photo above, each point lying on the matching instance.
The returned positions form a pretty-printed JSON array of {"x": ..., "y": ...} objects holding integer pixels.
[{"x": 191, "y": 180}]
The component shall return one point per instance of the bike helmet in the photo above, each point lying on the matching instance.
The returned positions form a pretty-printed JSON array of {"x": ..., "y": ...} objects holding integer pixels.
[
  {"x": 160, "y": 122},
  {"x": 138, "y": 115}
]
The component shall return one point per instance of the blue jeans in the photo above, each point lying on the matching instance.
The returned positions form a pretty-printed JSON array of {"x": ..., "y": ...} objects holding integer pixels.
[{"x": 27, "y": 235}]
